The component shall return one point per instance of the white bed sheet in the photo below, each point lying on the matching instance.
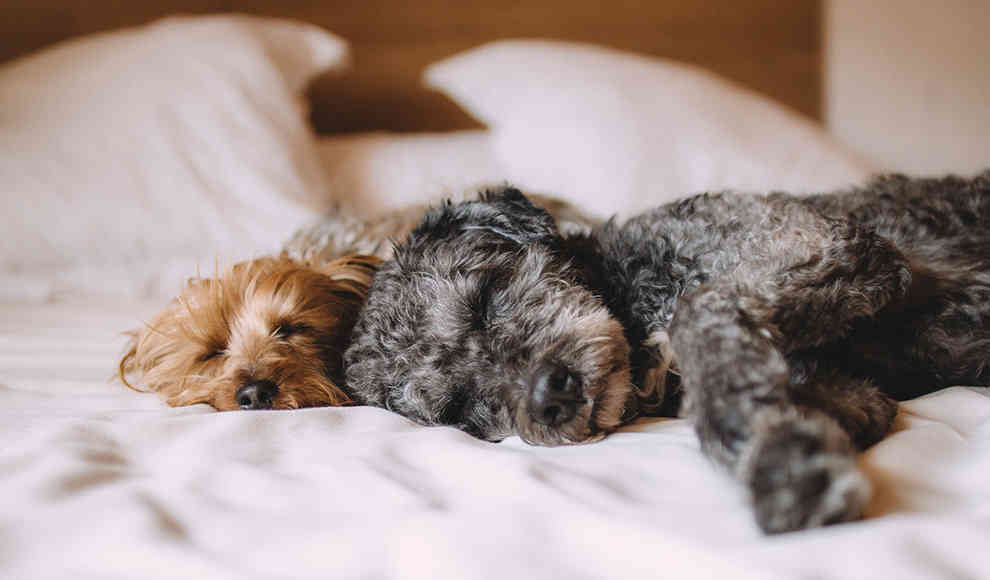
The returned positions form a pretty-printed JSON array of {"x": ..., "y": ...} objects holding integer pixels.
[{"x": 99, "y": 481}]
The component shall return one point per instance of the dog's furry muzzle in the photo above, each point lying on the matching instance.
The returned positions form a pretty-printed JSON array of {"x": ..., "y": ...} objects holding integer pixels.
[{"x": 578, "y": 401}]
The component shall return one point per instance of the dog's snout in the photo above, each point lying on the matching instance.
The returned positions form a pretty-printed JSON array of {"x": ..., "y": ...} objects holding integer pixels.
[
  {"x": 554, "y": 395},
  {"x": 256, "y": 395}
]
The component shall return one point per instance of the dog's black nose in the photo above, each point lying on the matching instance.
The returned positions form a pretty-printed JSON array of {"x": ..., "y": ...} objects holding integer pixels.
[
  {"x": 257, "y": 395},
  {"x": 554, "y": 395}
]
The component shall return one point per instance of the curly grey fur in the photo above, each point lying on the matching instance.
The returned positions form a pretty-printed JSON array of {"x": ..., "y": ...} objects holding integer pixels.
[{"x": 784, "y": 328}]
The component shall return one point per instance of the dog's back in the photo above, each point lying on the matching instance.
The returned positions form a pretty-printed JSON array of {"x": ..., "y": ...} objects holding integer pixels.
[
  {"x": 935, "y": 221},
  {"x": 939, "y": 333}
]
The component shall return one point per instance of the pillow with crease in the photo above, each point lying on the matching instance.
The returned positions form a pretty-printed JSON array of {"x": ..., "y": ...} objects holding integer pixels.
[
  {"x": 617, "y": 132},
  {"x": 129, "y": 157}
]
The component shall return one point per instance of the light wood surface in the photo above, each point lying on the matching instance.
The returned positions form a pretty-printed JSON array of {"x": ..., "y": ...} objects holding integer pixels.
[{"x": 771, "y": 46}]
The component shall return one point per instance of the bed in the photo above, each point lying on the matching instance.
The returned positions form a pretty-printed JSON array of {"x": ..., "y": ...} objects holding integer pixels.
[{"x": 136, "y": 157}]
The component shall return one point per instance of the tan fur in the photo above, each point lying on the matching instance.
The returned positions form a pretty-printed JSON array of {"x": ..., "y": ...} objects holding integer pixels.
[{"x": 273, "y": 319}]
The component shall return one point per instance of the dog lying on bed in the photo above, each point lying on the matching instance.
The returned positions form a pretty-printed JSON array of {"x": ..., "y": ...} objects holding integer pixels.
[
  {"x": 270, "y": 333},
  {"x": 784, "y": 328}
]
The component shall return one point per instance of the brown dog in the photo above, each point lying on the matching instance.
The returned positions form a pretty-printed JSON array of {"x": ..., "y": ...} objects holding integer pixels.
[{"x": 266, "y": 334}]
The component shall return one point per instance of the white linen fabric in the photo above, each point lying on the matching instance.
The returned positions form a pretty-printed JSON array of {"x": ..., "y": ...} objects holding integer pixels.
[
  {"x": 128, "y": 157},
  {"x": 373, "y": 172},
  {"x": 97, "y": 481},
  {"x": 618, "y": 132}
]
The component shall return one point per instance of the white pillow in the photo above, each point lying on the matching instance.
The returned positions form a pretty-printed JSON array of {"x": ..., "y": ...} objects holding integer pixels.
[
  {"x": 618, "y": 133},
  {"x": 369, "y": 173},
  {"x": 129, "y": 157}
]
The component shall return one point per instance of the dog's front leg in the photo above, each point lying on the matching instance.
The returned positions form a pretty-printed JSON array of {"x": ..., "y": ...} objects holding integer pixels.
[{"x": 797, "y": 462}]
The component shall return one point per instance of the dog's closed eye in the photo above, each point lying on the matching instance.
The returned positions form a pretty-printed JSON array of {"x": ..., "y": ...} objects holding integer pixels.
[
  {"x": 486, "y": 303},
  {"x": 287, "y": 329},
  {"x": 482, "y": 309},
  {"x": 210, "y": 355}
]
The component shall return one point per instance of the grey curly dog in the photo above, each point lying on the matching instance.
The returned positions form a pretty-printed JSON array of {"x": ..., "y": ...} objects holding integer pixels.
[{"x": 783, "y": 328}]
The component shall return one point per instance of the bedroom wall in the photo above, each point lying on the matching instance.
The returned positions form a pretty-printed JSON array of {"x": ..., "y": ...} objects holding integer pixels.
[
  {"x": 907, "y": 82},
  {"x": 771, "y": 46}
]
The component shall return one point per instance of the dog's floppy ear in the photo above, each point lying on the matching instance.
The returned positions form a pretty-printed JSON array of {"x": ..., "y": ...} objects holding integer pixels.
[
  {"x": 505, "y": 212},
  {"x": 352, "y": 274}
]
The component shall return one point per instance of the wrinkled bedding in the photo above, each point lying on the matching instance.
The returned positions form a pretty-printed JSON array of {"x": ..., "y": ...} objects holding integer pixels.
[{"x": 100, "y": 481}]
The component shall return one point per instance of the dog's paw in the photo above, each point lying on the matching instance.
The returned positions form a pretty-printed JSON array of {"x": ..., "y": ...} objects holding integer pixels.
[{"x": 803, "y": 476}]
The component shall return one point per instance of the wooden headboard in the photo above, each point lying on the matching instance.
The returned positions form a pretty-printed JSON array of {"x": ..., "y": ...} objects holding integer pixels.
[{"x": 771, "y": 46}]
